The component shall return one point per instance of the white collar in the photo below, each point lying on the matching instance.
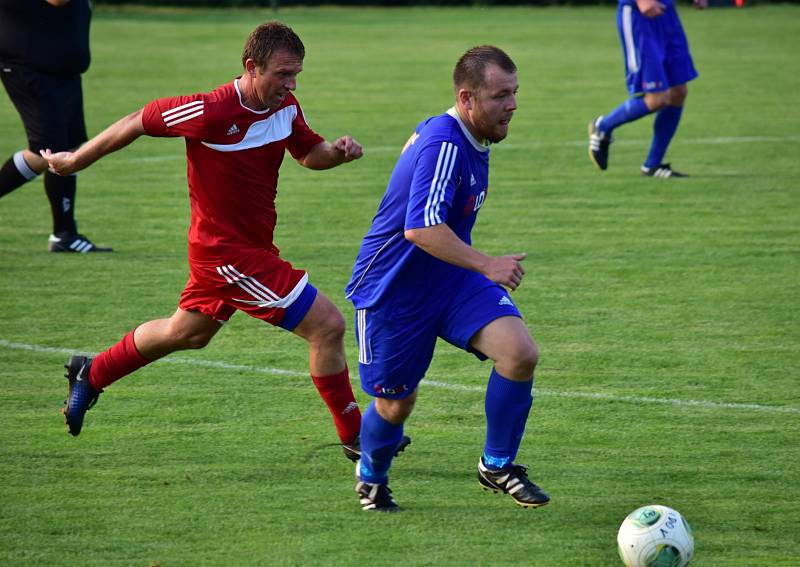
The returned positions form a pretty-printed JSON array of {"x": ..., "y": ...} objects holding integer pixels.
[
  {"x": 475, "y": 143},
  {"x": 241, "y": 103}
]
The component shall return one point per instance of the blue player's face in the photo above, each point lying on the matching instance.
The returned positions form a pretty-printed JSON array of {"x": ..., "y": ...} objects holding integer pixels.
[
  {"x": 494, "y": 103},
  {"x": 273, "y": 82}
]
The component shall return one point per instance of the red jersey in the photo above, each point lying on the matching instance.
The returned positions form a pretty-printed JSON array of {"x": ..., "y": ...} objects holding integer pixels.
[{"x": 233, "y": 155}]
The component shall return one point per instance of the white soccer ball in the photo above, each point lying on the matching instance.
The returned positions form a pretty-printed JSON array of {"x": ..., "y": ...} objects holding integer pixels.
[{"x": 655, "y": 536}]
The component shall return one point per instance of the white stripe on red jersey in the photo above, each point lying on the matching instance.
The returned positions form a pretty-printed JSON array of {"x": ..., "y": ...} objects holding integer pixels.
[
  {"x": 181, "y": 109},
  {"x": 182, "y": 113},
  {"x": 272, "y": 129}
]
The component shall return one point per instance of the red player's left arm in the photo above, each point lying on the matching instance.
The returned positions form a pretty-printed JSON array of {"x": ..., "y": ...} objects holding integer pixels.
[{"x": 326, "y": 155}]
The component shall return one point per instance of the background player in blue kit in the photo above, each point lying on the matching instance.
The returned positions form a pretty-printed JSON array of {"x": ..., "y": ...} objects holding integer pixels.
[
  {"x": 657, "y": 67},
  {"x": 417, "y": 278}
]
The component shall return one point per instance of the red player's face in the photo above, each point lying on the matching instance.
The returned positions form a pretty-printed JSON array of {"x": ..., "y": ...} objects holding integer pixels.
[
  {"x": 494, "y": 103},
  {"x": 272, "y": 83}
]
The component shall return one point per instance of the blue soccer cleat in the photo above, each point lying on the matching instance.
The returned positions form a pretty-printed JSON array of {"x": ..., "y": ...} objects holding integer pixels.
[{"x": 81, "y": 395}]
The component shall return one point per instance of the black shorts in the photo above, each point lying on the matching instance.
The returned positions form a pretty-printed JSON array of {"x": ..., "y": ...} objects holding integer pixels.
[{"x": 51, "y": 107}]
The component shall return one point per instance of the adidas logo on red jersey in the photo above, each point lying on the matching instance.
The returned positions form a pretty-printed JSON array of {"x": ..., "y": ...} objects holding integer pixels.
[{"x": 233, "y": 130}]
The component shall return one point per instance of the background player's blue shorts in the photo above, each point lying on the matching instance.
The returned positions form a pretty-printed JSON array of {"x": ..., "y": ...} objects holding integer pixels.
[
  {"x": 395, "y": 343},
  {"x": 655, "y": 50}
]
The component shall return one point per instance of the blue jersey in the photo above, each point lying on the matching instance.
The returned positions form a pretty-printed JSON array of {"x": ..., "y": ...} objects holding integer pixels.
[{"x": 442, "y": 176}]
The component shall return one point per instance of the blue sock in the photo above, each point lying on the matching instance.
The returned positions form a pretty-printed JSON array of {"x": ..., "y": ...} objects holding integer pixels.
[
  {"x": 664, "y": 127},
  {"x": 507, "y": 405},
  {"x": 379, "y": 440},
  {"x": 630, "y": 110}
]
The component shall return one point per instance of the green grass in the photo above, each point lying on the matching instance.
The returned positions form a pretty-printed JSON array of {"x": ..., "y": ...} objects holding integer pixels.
[{"x": 667, "y": 312}]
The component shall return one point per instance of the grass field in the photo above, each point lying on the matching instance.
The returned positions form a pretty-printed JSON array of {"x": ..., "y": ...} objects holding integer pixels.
[{"x": 667, "y": 312}]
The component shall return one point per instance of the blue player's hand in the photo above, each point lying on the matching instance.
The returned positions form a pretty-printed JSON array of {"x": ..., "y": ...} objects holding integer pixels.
[
  {"x": 650, "y": 8},
  {"x": 505, "y": 270}
]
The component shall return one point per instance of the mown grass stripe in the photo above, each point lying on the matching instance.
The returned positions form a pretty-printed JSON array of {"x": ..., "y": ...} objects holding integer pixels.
[{"x": 434, "y": 383}]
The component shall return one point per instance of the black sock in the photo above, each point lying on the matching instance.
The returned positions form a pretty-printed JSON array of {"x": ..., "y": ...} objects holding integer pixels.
[
  {"x": 61, "y": 192},
  {"x": 10, "y": 175}
]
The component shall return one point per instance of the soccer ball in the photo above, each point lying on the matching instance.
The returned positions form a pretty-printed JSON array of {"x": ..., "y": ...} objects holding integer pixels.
[{"x": 655, "y": 536}]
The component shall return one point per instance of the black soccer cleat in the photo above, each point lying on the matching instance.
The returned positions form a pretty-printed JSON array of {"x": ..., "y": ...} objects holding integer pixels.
[
  {"x": 353, "y": 450},
  {"x": 512, "y": 480},
  {"x": 662, "y": 170},
  {"x": 598, "y": 144},
  {"x": 81, "y": 395},
  {"x": 375, "y": 497},
  {"x": 73, "y": 243}
]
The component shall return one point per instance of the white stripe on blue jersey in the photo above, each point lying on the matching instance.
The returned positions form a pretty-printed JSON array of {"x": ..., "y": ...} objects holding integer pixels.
[{"x": 441, "y": 177}]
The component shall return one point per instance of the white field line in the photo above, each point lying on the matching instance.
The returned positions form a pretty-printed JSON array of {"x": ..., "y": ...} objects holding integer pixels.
[
  {"x": 434, "y": 383},
  {"x": 532, "y": 146}
]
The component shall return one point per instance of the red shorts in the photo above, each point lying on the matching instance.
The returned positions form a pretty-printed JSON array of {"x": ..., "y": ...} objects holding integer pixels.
[{"x": 251, "y": 280}]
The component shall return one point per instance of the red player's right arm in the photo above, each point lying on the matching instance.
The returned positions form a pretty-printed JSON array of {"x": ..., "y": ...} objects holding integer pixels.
[{"x": 116, "y": 136}]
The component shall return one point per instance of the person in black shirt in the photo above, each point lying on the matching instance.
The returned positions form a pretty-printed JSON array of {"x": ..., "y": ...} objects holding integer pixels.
[{"x": 44, "y": 48}]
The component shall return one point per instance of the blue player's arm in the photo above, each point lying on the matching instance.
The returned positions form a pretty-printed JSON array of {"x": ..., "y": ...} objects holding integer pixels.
[
  {"x": 436, "y": 168},
  {"x": 441, "y": 242}
]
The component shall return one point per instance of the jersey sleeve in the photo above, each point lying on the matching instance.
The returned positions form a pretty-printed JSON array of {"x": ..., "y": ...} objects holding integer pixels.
[
  {"x": 182, "y": 116},
  {"x": 433, "y": 183},
  {"x": 302, "y": 138}
]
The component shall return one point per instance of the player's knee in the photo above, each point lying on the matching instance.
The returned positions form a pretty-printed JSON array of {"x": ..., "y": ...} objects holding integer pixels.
[
  {"x": 396, "y": 411},
  {"x": 331, "y": 327},
  {"x": 522, "y": 361},
  {"x": 196, "y": 340},
  {"x": 677, "y": 95},
  {"x": 187, "y": 338},
  {"x": 656, "y": 101},
  {"x": 36, "y": 162}
]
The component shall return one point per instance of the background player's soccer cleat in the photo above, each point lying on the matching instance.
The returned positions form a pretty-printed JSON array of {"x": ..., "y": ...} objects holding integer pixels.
[
  {"x": 512, "y": 480},
  {"x": 598, "y": 144},
  {"x": 73, "y": 243},
  {"x": 81, "y": 395},
  {"x": 663, "y": 170},
  {"x": 353, "y": 450},
  {"x": 376, "y": 497}
]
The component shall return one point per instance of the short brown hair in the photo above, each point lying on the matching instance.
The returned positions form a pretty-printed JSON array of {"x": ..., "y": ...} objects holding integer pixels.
[
  {"x": 470, "y": 71},
  {"x": 268, "y": 38}
]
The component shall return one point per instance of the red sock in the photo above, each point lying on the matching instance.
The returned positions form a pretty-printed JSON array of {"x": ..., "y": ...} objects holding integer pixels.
[
  {"x": 116, "y": 362},
  {"x": 337, "y": 394}
]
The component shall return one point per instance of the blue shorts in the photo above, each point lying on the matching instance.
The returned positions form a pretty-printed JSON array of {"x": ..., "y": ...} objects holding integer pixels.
[
  {"x": 655, "y": 50},
  {"x": 395, "y": 345}
]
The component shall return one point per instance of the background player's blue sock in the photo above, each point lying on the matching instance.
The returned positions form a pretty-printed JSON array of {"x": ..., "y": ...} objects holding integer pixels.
[
  {"x": 630, "y": 110},
  {"x": 379, "y": 440},
  {"x": 507, "y": 405},
  {"x": 664, "y": 127}
]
